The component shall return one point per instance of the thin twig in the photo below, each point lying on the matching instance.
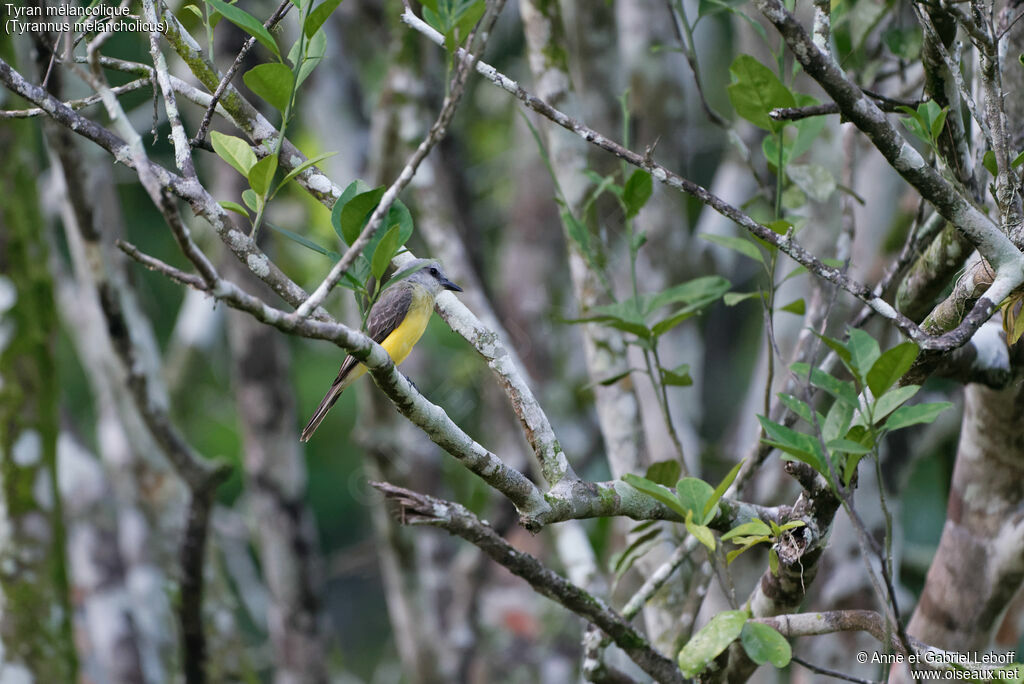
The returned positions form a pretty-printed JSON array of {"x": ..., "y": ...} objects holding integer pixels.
[
  {"x": 831, "y": 673},
  {"x": 80, "y": 103}
]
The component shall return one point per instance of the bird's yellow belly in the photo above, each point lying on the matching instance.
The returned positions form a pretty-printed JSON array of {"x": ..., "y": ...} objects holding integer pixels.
[
  {"x": 402, "y": 339},
  {"x": 400, "y": 342}
]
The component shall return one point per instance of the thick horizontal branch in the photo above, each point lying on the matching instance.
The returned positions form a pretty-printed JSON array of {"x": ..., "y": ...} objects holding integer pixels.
[
  {"x": 432, "y": 419},
  {"x": 419, "y": 509}
]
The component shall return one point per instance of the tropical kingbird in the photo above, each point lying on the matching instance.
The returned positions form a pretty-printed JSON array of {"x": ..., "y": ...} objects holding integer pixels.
[{"x": 396, "y": 322}]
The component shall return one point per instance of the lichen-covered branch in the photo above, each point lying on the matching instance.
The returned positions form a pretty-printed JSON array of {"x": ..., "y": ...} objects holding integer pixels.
[{"x": 420, "y": 509}]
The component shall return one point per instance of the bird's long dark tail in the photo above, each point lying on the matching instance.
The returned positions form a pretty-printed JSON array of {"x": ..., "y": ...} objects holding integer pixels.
[{"x": 337, "y": 388}]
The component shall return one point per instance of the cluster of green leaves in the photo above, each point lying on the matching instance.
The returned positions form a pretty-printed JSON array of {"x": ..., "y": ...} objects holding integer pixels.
[
  {"x": 277, "y": 83},
  {"x": 640, "y": 315},
  {"x": 926, "y": 122},
  {"x": 349, "y": 216},
  {"x": 454, "y": 19},
  {"x": 761, "y": 642},
  {"x": 754, "y": 92},
  {"x": 259, "y": 172},
  {"x": 749, "y": 534},
  {"x": 863, "y": 409},
  {"x": 693, "y": 499}
]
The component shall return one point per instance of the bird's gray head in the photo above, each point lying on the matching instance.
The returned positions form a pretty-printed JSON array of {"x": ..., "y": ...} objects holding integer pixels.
[{"x": 428, "y": 273}]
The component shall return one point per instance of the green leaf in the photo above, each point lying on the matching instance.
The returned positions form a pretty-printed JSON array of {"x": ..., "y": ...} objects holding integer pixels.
[
  {"x": 399, "y": 215},
  {"x": 837, "y": 422},
  {"x": 467, "y": 15},
  {"x": 797, "y": 406},
  {"x": 614, "y": 378},
  {"x": 693, "y": 494},
  {"x": 847, "y": 446},
  {"x": 636, "y": 193},
  {"x": 235, "y": 207},
  {"x": 738, "y": 244},
  {"x": 251, "y": 199},
  {"x": 892, "y": 400},
  {"x": 262, "y": 173},
  {"x": 807, "y": 130},
  {"x": 623, "y": 315},
  {"x": 989, "y": 162},
  {"x": 839, "y": 348},
  {"x": 579, "y": 234},
  {"x": 309, "y": 244},
  {"x": 802, "y": 447},
  {"x": 1017, "y": 161},
  {"x": 305, "y": 165},
  {"x": 315, "y": 51},
  {"x": 384, "y": 252},
  {"x": 641, "y": 545},
  {"x": 734, "y": 298},
  {"x": 756, "y": 90},
  {"x": 677, "y": 377},
  {"x": 353, "y": 189},
  {"x": 719, "y": 492},
  {"x": 773, "y": 561},
  {"x": 234, "y": 151},
  {"x": 698, "y": 291},
  {"x": 664, "y": 472},
  {"x": 905, "y": 416},
  {"x": 702, "y": 533},
  {"x": 356, "y": 212},
  {"x": 891, "y": 366},
  {"x": 840, "y": 389},
  {"x": 798, "y": 307},
  {"x": 754, "y": 528},
  {"x": 731, "y": 556},
  {"x": 863, "y": 351},
  {"x": 316, "y": 18},
  {"x": 710, "y": 641},
  {"x": 905, "y": 43},
  {"x": 815, "y": 180},
  {"x": 707, "y": 8},
  {"x": 938, "y": 122},
  {"x": 273, "y": 82},
  {"x": 656, "y": 491},
  {"x": 765, "y": 645},
  {"x": 248, "y": 23}
]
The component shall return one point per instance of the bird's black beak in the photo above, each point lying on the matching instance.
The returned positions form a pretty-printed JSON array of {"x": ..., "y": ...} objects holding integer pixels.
[{"x": 449, "y": 285}]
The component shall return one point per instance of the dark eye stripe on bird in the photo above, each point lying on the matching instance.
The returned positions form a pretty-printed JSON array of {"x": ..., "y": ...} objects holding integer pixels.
[{"x": 396, "y": 322}]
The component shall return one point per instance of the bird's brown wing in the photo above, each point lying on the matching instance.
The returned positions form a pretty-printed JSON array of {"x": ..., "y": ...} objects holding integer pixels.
[{"x": 386, "y": 315}]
